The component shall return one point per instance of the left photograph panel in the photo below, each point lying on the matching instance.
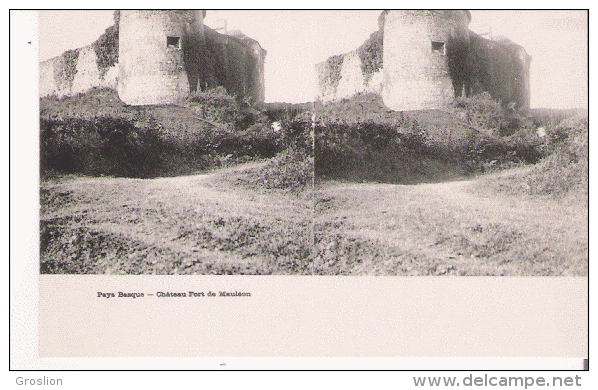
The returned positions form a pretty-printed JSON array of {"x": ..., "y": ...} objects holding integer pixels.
[{"x": 159, "y": 153}]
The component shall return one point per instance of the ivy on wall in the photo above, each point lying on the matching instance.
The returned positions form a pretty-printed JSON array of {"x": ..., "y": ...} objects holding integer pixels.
[
  {"x": 371, "y": 53},
  {"x": 106, "y": 48},
  {"x": 334, "y": 66},
  {"x": 66, "y": 68}
]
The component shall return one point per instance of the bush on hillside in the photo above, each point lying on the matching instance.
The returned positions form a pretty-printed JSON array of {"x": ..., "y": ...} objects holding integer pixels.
[
  {"x": 112, "y": 146},
  {"x": 215, "y": 105},
  {"x": 484, "y": 113},
  {"x": 96, "y": 134},
  {"x": 360, "y": 139},
  {"x": 290, "y": 170},
  {"x": 564, "y": 169},
  {"x": 372, "y": 151}
]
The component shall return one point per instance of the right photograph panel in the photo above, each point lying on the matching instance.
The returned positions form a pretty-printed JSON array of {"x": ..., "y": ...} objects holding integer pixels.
[{"x": 447, "y": 144}]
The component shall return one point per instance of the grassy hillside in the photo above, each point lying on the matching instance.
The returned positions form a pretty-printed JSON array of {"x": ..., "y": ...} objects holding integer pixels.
[
  {"x": 449, "y": 228},
  {"x": 96, "y": 134},
  {"x": 499, "y": 198},
  {"x": 563, "y": 173},
  {"x": 359, "y": 139},
  {"x": 253, "y": 218}
]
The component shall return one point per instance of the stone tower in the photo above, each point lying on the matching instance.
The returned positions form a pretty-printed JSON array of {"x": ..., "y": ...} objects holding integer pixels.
[
  {"x": 423, "y": 57},
  {"x": 160, "y": 55}
]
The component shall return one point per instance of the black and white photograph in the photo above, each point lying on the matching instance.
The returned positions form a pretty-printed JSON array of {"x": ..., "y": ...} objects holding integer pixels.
[
  {"x": 378, "y": 143},
  {"x": 455, "y": 142},
  {"x": 159, "y": 154}
]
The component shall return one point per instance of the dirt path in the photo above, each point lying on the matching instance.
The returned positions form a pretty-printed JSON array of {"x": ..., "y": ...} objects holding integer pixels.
[{"x": 453, "y": 228}]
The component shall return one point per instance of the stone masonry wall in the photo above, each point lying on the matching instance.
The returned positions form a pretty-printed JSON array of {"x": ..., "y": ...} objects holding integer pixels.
[
  {"x": 470, "y": 64},
  {"x": 208, "y": 59},
  {"x": 151, "y": 71},
  {"x": 86, "y": 75},
  {"x": 499, "y": 67},
  {"x": 420, "y": 48},
  {"x": 351, "y": 79}
]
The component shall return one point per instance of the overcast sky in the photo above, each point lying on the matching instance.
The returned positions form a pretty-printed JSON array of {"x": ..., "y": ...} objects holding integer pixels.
[{"x": 297, "y": 40}]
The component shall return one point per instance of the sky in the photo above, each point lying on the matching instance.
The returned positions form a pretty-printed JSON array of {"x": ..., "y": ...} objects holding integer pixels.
[{"x": 297, "y": 40}]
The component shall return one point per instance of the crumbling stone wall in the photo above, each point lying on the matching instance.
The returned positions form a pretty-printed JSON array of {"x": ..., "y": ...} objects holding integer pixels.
[
  {"x": 359, "y": 71},
  {"x": 47, "y": 82},
  {"x": 400, "y": 62},
  {"x": 88, "y": 74},
  {"x": 343, "y": 76},
  {"x": 132, "y": 56},
  {"x": 75, "y": 72}
]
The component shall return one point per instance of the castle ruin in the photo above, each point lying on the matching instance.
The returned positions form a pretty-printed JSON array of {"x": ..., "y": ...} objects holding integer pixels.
[
  {"x": 159, "y": 57},
  {"x": 423, "y": 59}
]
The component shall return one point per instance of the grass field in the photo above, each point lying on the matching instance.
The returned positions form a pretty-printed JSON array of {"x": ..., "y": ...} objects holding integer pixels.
[
  {"x": 396, "y": 193},
  {"x": 198, "y": 224},
  {"x": 450, "y": 228}
]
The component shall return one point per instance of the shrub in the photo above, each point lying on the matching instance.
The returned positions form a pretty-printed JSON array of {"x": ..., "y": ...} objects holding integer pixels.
[
  {"x": 257, "y": 141},
  {"x": 562, "y": 171},
  {"x": 104, "y": 146},
  {"x": 481, "y": 111},
  {"x": 360, "y": 139},
  {"x": 484, "y": 150},
  {"x": 566, "y": 129},
  {"x": 215, "y": 105},
  {"x": 369, "y": 150},
  {"x": 297, "y": 134},
  {"x": 484, "y": 113},
  {"x": 291, "y": 170}
]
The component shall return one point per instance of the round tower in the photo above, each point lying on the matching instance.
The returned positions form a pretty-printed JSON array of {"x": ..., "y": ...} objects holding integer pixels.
[
  {"x": 424, "y": 57},
  {"x": 160, "y": 55}
]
